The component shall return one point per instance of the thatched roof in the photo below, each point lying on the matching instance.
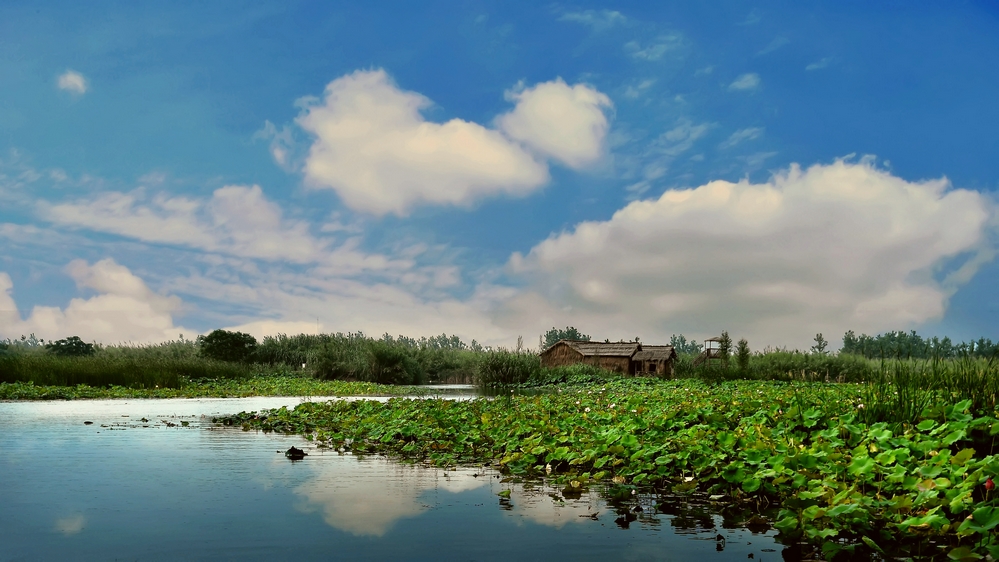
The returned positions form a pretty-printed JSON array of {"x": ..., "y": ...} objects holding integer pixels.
[
  {"x": 593, "y": 348},
  {"x": 622, "y": 349},
  {"x": 655, "y": 353}
]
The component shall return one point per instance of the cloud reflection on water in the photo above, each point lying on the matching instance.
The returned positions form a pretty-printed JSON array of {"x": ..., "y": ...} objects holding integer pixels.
[
  {"x": 367, "y": 496},
  {"x": 71, "y": 525}
]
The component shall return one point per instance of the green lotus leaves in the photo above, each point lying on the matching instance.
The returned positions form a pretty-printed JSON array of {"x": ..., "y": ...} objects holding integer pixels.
[{"x": 804, "y": 447}]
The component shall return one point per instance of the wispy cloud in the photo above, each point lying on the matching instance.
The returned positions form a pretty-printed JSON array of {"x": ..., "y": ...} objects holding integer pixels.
[
  {"x": 656, "y": 49},
  {"x": 237, "y": 220},
  {"x": 820, "y": 64},
  {"x": 752, "y": 18},
  {"x": 597, "y": 20},
  {"x": 73, "y": 82},
  {"x": 777, "y": 43},
  {"x": 740, "y": 136},
  {"x": 635, "y": 91},
  {"x": 748, "y": 81}
]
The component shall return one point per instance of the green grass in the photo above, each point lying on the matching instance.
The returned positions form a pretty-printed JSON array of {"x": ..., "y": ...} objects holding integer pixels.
[{"x": 255, "y": 385}]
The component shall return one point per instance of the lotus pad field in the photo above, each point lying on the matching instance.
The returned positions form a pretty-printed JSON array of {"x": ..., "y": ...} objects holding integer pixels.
[{"x": 841, "y": 478}]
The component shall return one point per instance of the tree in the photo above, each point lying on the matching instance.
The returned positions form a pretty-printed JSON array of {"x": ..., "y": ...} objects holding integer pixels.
[
  {"x": 742, "y": 356},
  {"x": 72, "y": 346},
  {"x": 820, "y": 345},
  {"x": 725, "y": 348},
  {"x": 554, "y": 335},
  {"x": 224, "y": 345},
  {"x": 682, "y": 345}
]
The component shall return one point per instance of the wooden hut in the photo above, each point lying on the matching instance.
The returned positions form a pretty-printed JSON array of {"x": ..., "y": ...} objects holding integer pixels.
[
  {"x": 654, "y": 360},
  {"x": 622, "y": 357}
]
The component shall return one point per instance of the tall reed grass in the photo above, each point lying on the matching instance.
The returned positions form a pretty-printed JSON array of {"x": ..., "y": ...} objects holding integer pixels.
[{"x": 112, "y": 369}]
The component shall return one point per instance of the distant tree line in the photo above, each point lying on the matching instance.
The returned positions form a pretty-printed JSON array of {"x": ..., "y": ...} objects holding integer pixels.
[{"x": 898, "y": 344}]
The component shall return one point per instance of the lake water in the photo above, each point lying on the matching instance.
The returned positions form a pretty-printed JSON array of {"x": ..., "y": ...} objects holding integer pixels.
[{"x": 156, "y": 480}]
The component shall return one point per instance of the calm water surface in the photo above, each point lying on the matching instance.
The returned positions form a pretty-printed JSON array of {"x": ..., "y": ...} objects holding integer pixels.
[{"x": 155, "y": 480}]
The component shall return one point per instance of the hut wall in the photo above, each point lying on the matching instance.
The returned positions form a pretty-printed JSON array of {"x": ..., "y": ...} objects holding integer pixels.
[
  {"x": 559, "y": 355},
  {"x": 617, "y": 364}
]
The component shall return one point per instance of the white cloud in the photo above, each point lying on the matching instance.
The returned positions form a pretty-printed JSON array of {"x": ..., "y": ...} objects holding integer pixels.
[
  {"x": 635, "y": 91},
  {"x": 704, "y": 71},
  {"x": 73, "y": 82},
  {"x": 237, "y": 220},
  {"x": 292, "y": 302},
  {"x": 375, "y": 149},
  {"x": 661, "y": 152},
  {"x": 742, "y": 135},
  {"x": 827, "y": 249},
  {"x": 820, "y": 64},
  {"x": 749, "y": 81},
  {"x": 124, "y": 310},
  {"x": 563, "y": 122},
  {"x": 283, "y": 147},
  {"x": 597, "y": 20},
  {"x": 655, "y": 50},
  {"x": 777, "y": 43}
]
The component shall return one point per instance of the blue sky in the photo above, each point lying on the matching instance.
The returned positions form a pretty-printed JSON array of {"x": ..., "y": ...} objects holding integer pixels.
[{"x": 492, "y": 169}]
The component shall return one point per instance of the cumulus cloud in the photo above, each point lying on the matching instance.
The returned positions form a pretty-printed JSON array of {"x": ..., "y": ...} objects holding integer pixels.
[
  {"x": 237, "y": 220},
  {"x": 373, "y": 146},
  {"x": 123, "y": 310},
  {"x": 749, "y": 81},
  {"x": 831, "y": 248},
  {"x": 597, "y": 20},
  {"x": 566, "y": 123},
  {"x": 73, "y": 82},
  {"x": 742, "y": 135}
]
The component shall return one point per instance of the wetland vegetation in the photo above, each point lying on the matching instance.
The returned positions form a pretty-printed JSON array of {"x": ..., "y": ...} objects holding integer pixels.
[{"x": 854, "y": 453}]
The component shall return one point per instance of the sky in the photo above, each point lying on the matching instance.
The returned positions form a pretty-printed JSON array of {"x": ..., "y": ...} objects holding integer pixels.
[{"x": 495, "y": 169}]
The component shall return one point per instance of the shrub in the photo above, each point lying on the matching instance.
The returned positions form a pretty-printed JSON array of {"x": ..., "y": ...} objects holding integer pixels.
[
  {"x": 500, "y": 368},
  {"x": 580, "y": 373},
  {"x": 223, "y": 345},
  {"x": 391, "y": 364},
  {"x": 72, "y": 346}
]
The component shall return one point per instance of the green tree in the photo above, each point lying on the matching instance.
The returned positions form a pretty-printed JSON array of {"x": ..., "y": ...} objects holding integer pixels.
[
  {"x": 742, "y": 356},
  {"x": 682, "y": 345},
  {"x": 725, "y": 348},
  {"x": 224, "y": 345},
  {"x": 72, "y": 346},
  {"x": 820, "y": 344},
  {"x": 554, "y": 335}
]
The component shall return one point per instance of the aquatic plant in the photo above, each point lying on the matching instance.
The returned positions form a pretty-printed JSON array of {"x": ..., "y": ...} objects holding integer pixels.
[{"x": 842, "y": 482}]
